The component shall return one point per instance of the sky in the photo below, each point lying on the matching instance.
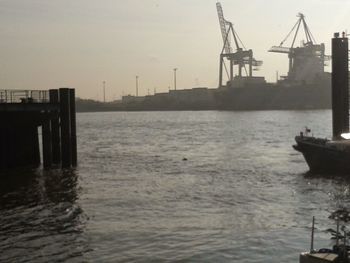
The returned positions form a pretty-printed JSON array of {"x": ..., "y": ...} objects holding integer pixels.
[{"x": 81, "y": 43}]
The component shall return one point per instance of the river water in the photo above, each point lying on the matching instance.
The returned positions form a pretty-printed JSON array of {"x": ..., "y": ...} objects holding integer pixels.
[{"x": 174, "y": 187}]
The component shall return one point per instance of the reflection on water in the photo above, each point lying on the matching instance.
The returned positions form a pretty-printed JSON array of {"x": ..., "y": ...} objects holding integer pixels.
[{"x": 40, "y": 215}]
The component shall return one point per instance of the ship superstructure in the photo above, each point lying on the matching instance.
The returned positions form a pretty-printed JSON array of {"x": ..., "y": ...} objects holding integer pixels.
[{"x": 306, "y": 62}]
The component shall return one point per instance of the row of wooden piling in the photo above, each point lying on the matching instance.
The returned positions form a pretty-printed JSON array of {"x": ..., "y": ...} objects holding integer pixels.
[{"x": 59, "y": 130}]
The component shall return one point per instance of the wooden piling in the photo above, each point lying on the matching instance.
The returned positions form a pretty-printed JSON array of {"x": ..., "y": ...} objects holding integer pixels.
[
  {"x": 73, "y": 127},
  {"x": 55, "y": 129},
  {"x": 35, "y": 149},
  {"x": 66, "y": 144},
  {"x": 340, "y": 86},
  {"x": 47, "y": 143}
]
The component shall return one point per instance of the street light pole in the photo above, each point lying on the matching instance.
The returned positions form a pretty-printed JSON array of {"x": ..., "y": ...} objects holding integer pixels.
[
  {"x": 175, "y": 78},
  {"x": 137, "y": 86},
  {"x": 104, "y": 91}
]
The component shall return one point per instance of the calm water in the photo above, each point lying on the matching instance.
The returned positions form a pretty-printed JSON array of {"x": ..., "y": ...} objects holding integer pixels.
[{"x": 242, "y": 195}]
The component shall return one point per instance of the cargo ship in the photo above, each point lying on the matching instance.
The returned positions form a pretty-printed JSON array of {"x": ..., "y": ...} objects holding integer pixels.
[
  {"x": 306, "y": 86},
  {"x": 332, "y": 156}
]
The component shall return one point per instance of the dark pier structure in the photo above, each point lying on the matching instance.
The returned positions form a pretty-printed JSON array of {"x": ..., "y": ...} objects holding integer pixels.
[{"x": 22, "y": 113}]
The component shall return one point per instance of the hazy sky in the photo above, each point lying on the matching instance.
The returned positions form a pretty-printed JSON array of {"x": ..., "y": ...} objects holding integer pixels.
[{"x": 81, "y": 43}]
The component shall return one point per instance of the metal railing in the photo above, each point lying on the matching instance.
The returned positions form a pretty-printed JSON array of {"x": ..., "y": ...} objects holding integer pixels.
[{"x": 24, "y": 96}]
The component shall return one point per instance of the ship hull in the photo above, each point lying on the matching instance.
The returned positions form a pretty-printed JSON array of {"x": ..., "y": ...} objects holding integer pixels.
[
  {"x": 321, "y": 157},
  {"x": 284, "y": 95},
  {"x": 276, "y": 97}
]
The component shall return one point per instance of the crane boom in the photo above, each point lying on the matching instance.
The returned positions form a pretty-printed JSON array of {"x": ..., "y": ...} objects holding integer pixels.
[
  {"x": 240, "y": 57},
  {"x": 224, "y": 31}
]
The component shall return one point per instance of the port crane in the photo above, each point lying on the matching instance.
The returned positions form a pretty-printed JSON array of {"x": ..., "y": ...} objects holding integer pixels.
[
  {"x": 307, "y": 61},
  {"x": 239, "y": 57}
]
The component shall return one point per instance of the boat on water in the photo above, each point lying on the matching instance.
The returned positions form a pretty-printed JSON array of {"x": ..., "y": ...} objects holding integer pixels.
[
  {"x": 323, "y": 155},
  {"x": 339, "y": 253},
  {"x": 332, "y": 156}
]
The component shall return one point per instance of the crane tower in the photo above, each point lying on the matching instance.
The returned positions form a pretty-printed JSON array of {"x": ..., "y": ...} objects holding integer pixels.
[
  {"x": 239, "y": 57},
  {"x": 306, "y": 62}
]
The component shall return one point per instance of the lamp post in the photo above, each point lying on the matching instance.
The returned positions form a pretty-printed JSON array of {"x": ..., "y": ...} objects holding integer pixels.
[
  {"x": 175, "y": 69},
  {"x": 137, "y": 86},
  {"x": 104, "y": 91}
]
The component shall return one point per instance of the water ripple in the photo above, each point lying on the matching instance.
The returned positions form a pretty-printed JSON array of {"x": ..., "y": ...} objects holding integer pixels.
[{"x": 174, "y": 187}]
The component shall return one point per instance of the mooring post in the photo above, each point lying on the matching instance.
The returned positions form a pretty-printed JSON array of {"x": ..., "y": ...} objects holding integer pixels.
[
  {"x": 47, "y": 143},
  {"x": 312, "y": 235},
  {"x": 73, "y": 127},
  {"x": 66, "y": 144},
  {"x": 55, "y": 129},
  {"x": 36, "y": 145},
  {"x": 340, "y": 85}
]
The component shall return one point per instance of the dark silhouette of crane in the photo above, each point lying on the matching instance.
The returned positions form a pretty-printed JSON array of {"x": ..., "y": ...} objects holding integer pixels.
[
  {"x": 307, "y": 61},
  {"x": 239, "y": 57}
]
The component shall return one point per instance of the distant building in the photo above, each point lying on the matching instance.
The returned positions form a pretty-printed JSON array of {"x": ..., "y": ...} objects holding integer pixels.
[
  {"x": 195, "y": 95},
  {"x": 185, "y": 99},
  {"x": 131, "y": 99}
]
